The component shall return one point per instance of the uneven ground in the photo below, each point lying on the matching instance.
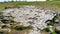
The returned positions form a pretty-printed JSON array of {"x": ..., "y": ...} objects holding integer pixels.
[{"x": 52, "y": 5}]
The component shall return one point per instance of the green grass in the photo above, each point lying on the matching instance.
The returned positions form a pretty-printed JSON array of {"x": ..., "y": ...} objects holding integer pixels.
[
  {"x": 48, "y": 4},
  {"x": 22, "y": 27},
  {"x": 53, "y": 0}
]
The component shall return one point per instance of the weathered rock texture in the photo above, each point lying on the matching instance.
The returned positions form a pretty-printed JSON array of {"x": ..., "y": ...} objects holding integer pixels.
[{"x": 31, "y": 16}]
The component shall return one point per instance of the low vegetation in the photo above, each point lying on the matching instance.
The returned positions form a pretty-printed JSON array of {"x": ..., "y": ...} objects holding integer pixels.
[
  {"x": 22, "y": 27},
  {"x": 57, "y": 31},
  {"x": 49, "y": 4},
  {"x": 53, "y": 21}
]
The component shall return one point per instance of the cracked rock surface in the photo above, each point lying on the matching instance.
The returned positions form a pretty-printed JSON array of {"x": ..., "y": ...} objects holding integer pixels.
[{"x": 31, "y": 16}]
